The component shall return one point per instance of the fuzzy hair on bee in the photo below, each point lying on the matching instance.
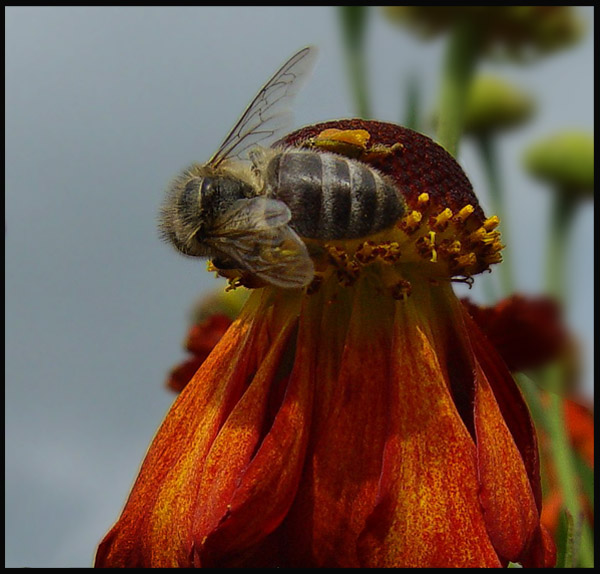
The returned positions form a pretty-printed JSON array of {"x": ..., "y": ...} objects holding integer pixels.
[
  {"x": 193, "y": 200},
  {"x": 250, "y": 206}
]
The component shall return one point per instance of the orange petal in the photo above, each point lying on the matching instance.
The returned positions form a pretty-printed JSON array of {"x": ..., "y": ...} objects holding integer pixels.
[
  {"x": 428, "y": 513},
  {"x": 341, "y": 478},
  {"x": 509, "y": 506},
  {"x": 511, "y": 403},
  {"x": 248, "y": 487},
  {"x": 508, "y": 459},
  {"x": 156, "y": 526}
]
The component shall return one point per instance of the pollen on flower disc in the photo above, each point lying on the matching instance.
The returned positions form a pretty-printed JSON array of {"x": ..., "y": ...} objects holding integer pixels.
[{"x": 415, "y": 162}]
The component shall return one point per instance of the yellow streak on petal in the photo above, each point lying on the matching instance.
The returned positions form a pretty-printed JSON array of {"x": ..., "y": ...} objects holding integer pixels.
[{"x": 429, "y": 513}]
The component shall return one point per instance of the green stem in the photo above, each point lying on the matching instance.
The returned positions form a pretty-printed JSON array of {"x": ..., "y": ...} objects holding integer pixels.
[
  {"x": 461, "y": 59},
  {"x": 489, "y": 157},
  {"x": 565, "y": 464},
  {"x": 563, "y": 210},
  {"x": 354, "y": 20},
  {"x": 532, "y": 398},
  {"x": 413, "y": 98}
]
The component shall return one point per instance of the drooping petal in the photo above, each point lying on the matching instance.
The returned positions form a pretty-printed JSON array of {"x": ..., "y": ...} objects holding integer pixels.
[
  {"x": 510, "y": 402},
  {"x": 428, "y": 512},
  {"x": 254, "y": 483},
  {"x": 183, "y": 373},
  {"x": 508, "y": 459},
  {"x": 156, "y": 528},
  {"x": 341, "y": 478},
  {"x": 509, "y": 507}
]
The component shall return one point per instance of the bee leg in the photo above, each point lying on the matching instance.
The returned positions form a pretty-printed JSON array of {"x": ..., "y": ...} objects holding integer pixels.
[{"x": 224, "y": 263}]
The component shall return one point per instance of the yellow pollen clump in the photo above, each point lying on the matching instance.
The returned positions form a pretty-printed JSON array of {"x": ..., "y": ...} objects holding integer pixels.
[{"x": 356, "y": 137}]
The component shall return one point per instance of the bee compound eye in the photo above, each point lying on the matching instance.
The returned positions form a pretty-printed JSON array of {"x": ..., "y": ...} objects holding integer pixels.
[{"x": 207, "y": 187}]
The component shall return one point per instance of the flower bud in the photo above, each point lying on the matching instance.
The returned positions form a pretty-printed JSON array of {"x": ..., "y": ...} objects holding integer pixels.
[
  {"x": 494, "y": 105},
  {"x": 514, "y": 30},
  {"x": 566, "y": 160}
]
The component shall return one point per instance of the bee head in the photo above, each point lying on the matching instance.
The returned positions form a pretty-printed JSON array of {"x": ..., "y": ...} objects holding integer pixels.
[
  {"x": 215, "y": 194},
  {"x": 193, "y": 204}
]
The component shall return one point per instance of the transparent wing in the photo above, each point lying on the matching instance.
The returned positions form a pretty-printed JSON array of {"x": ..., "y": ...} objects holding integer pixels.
[
  {"x": 254, "y": 233},
  {"x": 269, "y": 114},
  {"x": 251, "y": 215}
]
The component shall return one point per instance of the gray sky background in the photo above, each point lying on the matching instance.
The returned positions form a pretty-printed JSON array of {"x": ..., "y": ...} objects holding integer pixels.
[{"x": 103, "y": 106}]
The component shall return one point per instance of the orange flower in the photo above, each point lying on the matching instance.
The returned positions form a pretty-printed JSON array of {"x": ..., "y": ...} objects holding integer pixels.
[
  {"x": 580, "y": 424},
  {"x": 364, "y": 421}
]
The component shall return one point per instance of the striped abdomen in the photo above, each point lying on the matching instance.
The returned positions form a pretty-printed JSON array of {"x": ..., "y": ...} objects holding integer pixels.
[{"x": 332, "y": 197}]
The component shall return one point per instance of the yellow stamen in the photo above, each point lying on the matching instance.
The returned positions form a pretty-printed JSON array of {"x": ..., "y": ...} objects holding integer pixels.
[
  {"x": 452, "y": 243},
  {"x": 491, "y": 223},
  {"x": 478, "y": 235},
  {"x": 366, "y": 252},
  {"x": 466, "y": 260},
  {"x": 423, "y": 199},
  {"x": 450, "y": 247},
  {"x": 390, "y": 251},
  {"x": 493, "y": 258},
  {"x": 426, "y": 247},
  {"x": 440, "y": 222},
  {"x": 433, "y": 251},
  {"x": 411, "y": 221},
  {"x": 464, "y": 213}
]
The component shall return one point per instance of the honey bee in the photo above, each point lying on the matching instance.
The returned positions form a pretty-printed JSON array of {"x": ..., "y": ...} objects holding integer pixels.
[{"x": 251, "y": 206}]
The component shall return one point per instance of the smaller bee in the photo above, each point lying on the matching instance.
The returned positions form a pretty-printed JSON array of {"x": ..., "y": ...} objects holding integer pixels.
[{"x": 249, "y": 207}]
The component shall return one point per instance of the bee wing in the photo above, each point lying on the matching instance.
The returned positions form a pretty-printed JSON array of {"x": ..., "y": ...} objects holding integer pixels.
[
  {"x": 268, "y": 115},
  {"x": 256, "y": 235}
]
